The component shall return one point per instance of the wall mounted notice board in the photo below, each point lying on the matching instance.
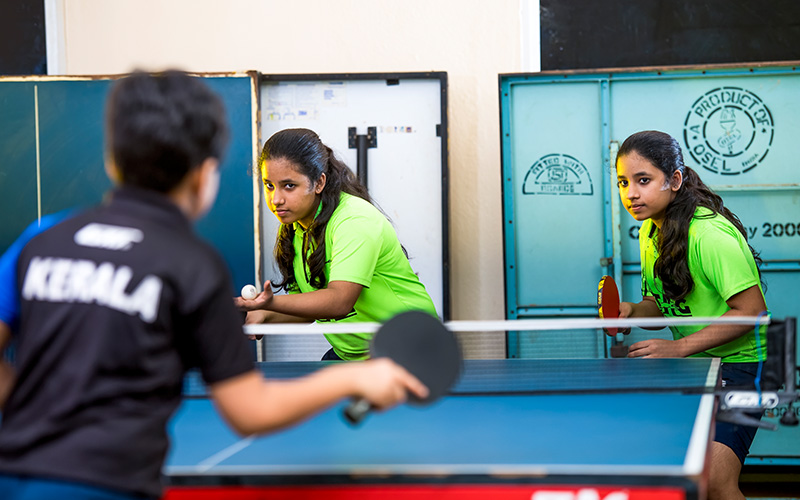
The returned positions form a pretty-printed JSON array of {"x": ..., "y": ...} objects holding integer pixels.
[{"x": 403, "y": 119}]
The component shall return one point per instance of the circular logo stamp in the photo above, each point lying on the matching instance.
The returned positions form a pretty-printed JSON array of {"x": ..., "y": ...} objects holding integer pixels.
[
  {"x": 728, "y": 131},
  {"x": 557, "y": 174}
]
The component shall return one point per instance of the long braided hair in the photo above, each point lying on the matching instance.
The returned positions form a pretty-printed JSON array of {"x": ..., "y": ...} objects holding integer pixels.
[
  {"x": 306, "y": 152},
  {"x": 672, "y": 267}
]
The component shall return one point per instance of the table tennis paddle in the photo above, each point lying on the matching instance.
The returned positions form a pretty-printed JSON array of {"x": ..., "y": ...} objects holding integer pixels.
[
  {"x": 421, "y": 344},
  {"x": 608, "y": 307},
  {"x": 608, "y": 302}
]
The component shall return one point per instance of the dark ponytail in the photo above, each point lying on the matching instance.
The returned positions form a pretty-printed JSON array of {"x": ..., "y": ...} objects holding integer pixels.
[
  {"x": 304, "y": 149},
  {"x": 672, "y": 265}
]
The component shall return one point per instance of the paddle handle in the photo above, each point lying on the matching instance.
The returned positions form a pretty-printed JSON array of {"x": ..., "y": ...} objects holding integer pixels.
[{"x": 357, "y": 410}]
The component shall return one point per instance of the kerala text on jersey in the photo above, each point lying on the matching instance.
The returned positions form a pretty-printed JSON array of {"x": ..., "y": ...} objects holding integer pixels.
[{"x": 54, "y": 279}]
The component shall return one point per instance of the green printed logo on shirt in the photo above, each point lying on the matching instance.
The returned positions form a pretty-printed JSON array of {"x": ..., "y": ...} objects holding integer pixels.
[{"x": 721, "y": 266}]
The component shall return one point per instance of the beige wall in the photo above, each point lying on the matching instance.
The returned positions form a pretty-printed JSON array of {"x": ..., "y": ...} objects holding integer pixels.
[{"x": 472, "y": 40}]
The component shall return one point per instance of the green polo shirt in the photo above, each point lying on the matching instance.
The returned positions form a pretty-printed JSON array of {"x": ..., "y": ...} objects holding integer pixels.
[
  {"x": 721, "y": 266},
  {"x": 362, "y": 247}
]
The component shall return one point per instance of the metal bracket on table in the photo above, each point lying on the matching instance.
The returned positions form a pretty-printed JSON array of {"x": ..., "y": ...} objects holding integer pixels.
[
  {"x": 781, "y": 370},
  {"x": 361, "y": 143},
  {"x": 619, "y": 349},
  {"x": 735, "y": 404},
  {"x": 739, "y": 417}
]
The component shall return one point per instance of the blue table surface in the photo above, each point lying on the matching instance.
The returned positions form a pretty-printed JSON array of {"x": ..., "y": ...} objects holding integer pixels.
[
  {"x": 473, "y": 431},
  {"x": 494, "y": 376}
]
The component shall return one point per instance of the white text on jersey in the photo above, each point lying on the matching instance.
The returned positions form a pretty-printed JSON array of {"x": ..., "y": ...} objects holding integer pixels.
[
  {"x": 66, "y": 280},
  {"x": 108, "y": 237}
]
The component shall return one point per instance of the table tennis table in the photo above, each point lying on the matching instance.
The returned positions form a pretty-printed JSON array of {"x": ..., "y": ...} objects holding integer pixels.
[{"x": 541, "y": 429}]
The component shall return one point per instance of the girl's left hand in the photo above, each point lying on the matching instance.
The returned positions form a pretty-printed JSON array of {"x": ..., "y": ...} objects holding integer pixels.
[
  {"x": 261, "y": 301},
  {"x": 656, "y": 348}
]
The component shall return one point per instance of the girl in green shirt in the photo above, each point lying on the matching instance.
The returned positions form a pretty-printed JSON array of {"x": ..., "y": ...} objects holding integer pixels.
[
  {"x": 339, "y": 256},
  {"x": 695, "y": 262}
]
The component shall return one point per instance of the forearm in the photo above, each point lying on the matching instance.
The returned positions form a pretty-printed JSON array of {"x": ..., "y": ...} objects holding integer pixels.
[
  {"x": 712, "y": 336},
  {"x": 262, "y": 406},
  {"x": 319, "y": 304},
  {"x": 749, "y": 302},
  {"x": 335, "y": 301},
  {"x": 276, "y": 317},
  {"x": 7, "y": 378},
  {"x": 7, "y": 374}
]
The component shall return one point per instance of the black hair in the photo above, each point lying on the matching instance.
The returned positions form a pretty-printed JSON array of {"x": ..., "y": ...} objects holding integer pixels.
[
  {"x": 159, "y": 126},
  {"x": 672, "y": 267},
  {"x": 306, "y": 152}
]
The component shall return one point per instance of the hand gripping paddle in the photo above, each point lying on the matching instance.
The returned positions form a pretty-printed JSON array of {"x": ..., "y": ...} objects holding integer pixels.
[
  {"x": 608, "y": 302},
  {"x": 421, "y": 344},
  {"x": 608, "y": 307}
]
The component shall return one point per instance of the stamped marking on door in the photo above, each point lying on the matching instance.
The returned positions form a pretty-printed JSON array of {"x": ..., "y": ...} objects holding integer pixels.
[
  {"x": 558, "y": 174},
  {"x": 728, "y": 130}
]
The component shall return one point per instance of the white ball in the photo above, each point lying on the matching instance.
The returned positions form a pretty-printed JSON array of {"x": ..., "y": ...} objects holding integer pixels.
[{"x": 249, "y": 292}]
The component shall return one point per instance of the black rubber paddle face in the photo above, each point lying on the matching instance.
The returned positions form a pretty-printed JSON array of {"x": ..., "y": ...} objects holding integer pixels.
[{"x": 421, "y": 344}]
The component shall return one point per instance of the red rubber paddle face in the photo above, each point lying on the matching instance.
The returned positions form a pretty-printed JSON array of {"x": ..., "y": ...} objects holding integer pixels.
[{"x": 608, "y": 301}]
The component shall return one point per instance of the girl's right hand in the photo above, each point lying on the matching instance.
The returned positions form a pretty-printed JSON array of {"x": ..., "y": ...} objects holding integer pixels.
[
  {"x": 255, "y": 318},
  {"x": 385, "y": 384},
  {"x": 625, "y": 311}
]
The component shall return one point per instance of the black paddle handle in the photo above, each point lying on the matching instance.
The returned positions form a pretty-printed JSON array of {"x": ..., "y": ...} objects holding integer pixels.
[{"x": 357, "y": 410}]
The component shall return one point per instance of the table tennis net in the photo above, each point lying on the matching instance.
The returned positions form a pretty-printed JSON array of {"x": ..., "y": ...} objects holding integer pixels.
[{"x": 582, "y": 374}]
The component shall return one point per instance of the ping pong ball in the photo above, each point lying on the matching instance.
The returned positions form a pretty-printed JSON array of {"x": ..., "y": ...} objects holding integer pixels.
[{"x": 249, "y": 292}]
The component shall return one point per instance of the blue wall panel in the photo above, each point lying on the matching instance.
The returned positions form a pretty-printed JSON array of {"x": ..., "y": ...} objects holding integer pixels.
[
  {"x": 71, "y": 120},
  {"x": 71, "y": 143},
  {"x": 229, "y": 226},
  {"x": 18, "y": 202}
]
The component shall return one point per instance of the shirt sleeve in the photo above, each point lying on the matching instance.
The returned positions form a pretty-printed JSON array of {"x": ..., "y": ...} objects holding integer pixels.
[
  {"x": 221, "y": 350},
  {"x": 356, "y": 245},
  {"x": 9, "y": 295},
  {"x": 9, "y": 301},
  {"x": 725, "y": 261}
]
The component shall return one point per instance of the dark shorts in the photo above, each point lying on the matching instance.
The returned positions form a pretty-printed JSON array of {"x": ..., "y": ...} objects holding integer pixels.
[
  {"x": 738, "y": 437},
  {"x": 34, "y": 488}
]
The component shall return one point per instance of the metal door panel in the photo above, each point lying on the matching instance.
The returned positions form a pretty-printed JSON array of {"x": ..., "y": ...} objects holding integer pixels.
[{"x": 557, "y": 182}]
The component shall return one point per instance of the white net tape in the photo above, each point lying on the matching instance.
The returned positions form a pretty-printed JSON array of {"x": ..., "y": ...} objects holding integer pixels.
[{"x": 505, "y": 325}]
